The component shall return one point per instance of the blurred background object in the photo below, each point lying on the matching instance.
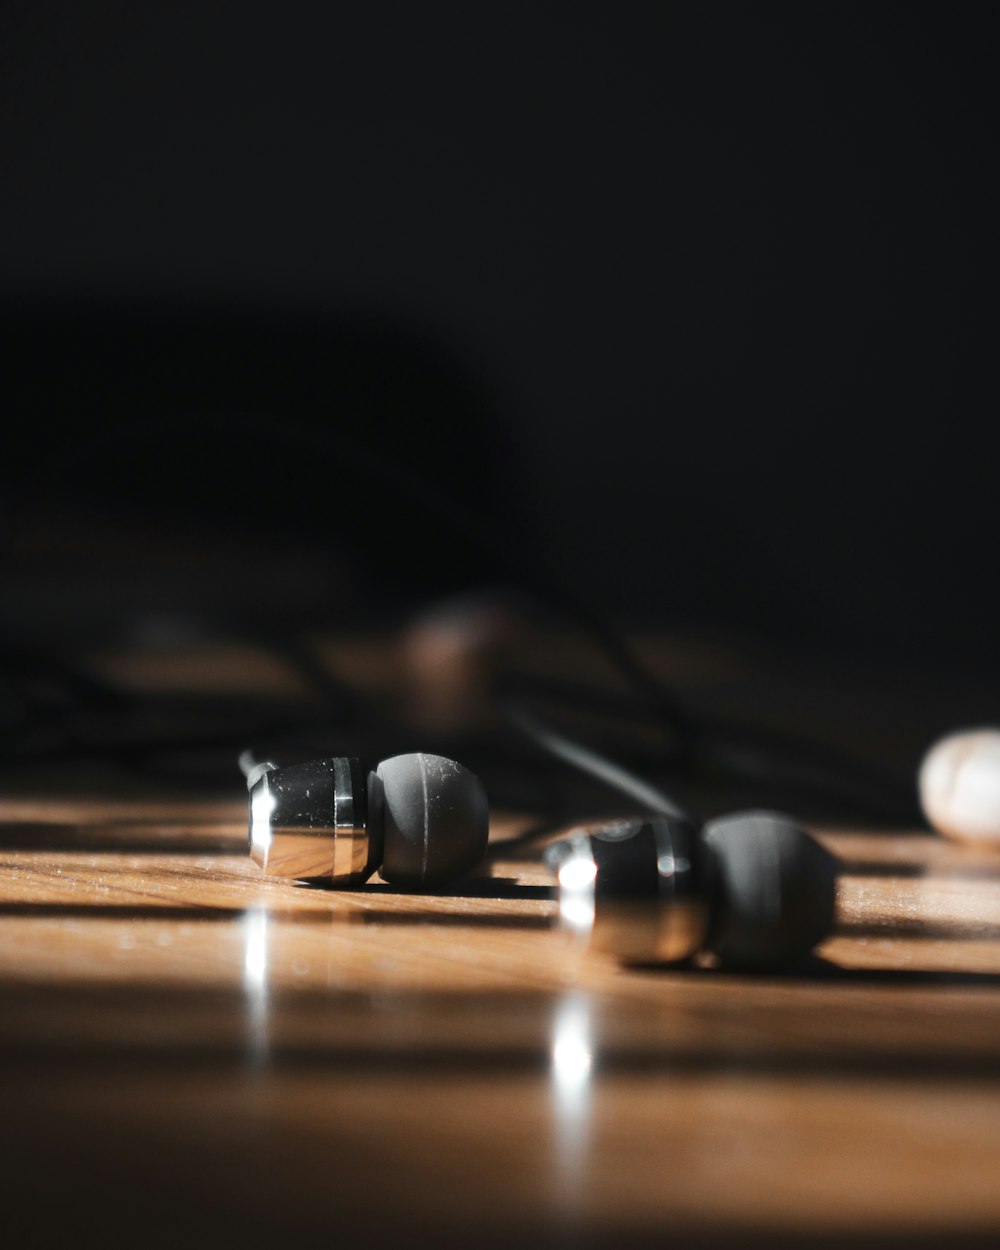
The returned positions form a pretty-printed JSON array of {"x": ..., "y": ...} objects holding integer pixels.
[
  {"x": 960, "y": 786},
  {"x": 690, "y": 304}
]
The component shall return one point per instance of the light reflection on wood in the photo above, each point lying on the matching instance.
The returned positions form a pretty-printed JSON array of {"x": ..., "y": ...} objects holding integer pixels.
[{"x": 257, "y": 1059}]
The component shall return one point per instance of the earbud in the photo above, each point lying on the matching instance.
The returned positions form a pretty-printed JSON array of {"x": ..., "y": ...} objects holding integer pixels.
[
  {"x": 959, "y": 785},
  {"x": 422, "y": 820},
  {"x": 753, "y": 888}
]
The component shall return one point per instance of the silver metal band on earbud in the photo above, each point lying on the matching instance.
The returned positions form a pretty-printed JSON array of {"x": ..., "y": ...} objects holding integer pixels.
[{"x": 350, "y": 832}]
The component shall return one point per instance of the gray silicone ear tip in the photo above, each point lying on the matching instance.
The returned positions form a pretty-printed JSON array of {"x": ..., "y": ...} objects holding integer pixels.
[
  {"x": 434, "y": 816},
  {"x": 774, "y": 891}
]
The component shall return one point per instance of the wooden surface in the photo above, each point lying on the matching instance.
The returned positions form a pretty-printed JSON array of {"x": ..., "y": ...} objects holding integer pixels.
[{"x": 190, "y": 1052}]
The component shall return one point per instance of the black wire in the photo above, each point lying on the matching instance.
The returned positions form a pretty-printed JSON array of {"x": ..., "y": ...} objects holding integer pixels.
[
  {"x": 733, "y": 750},
  {"x": 544, "y": 583},
  {"x": 586, "y": 760},
  {"x": 742, "y": 751}
]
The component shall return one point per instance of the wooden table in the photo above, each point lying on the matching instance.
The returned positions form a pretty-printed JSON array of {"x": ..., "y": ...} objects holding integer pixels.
[{"x": 191, "y": 1054}]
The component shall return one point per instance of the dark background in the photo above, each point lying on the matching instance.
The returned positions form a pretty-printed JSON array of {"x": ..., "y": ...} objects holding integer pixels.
[{"x": 691, "y": 302}]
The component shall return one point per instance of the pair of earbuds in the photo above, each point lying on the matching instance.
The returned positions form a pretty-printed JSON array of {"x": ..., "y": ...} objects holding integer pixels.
[{"x": 752, "y": 888}]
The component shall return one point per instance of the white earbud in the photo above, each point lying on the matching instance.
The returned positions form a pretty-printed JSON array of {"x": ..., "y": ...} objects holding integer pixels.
[{"x": 959, "y": 783}]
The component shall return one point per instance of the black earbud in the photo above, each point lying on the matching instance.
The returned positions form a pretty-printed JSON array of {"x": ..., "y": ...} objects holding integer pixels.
[
  {"x": 422, "y": 820},
  {"x": 753, "y": 888}
]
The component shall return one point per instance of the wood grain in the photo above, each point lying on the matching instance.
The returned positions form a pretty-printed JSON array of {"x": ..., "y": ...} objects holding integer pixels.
[{"x": 189, "y": 1050}]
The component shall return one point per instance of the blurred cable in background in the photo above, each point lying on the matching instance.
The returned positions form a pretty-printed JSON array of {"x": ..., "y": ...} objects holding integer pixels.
[{"x": 321, "y": 320}]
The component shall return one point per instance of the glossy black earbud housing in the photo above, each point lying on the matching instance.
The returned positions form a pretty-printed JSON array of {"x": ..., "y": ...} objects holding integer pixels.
[
  {"x": 638, "y": 884},
  {"x": 310, "y": 821}
]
